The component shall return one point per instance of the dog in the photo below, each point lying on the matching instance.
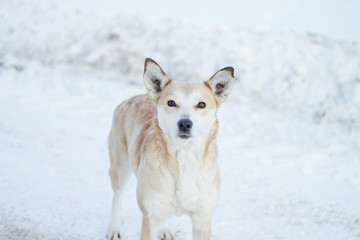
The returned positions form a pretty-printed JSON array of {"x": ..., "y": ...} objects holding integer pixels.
[{"x": 168, "y": 139}]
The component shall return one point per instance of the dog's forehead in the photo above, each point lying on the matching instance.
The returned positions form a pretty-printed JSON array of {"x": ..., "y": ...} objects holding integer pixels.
[{"x": 193, "y": 90}]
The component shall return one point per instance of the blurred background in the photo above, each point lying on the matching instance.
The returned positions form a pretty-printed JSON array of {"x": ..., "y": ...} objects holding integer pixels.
[
  {"x": 289, "y": 132},
  {"x": 300, "y": 55},
  {"x": 335, "y": 19}
]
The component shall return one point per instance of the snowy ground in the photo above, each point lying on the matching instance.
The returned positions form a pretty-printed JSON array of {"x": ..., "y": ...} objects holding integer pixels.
[{"x": 289, "y": 134}]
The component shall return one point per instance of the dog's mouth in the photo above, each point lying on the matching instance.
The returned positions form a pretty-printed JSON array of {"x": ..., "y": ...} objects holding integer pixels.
[{"x": 184, "y": 135}]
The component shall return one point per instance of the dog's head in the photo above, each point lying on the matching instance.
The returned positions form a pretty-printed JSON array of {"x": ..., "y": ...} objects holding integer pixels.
[{"x": 186, "y": 111}]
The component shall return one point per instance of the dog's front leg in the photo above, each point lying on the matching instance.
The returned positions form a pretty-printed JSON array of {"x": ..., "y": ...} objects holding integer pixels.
[
  {"x": 201, "y": 227},
  {"x": 150, "y": 228}
]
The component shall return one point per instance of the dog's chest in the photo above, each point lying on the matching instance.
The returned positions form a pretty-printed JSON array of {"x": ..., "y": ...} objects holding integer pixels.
[{"x": 192, "y": 182}]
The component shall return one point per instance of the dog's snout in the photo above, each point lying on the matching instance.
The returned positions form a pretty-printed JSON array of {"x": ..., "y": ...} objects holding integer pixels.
[{"x": 184, "y": 124}]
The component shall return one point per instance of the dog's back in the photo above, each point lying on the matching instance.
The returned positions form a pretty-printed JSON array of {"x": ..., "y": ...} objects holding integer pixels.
[{"x": 132, "y": 122}]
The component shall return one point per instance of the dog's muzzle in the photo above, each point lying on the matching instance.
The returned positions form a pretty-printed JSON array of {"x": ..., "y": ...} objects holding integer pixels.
[{"x": 184, "y": 128}]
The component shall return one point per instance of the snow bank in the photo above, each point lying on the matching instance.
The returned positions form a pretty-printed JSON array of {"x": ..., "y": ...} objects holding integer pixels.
[{"x": 307, "y": 75}]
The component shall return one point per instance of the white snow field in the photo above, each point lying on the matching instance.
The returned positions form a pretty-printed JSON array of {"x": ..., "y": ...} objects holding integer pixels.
[{"x": 289, "y": 139}]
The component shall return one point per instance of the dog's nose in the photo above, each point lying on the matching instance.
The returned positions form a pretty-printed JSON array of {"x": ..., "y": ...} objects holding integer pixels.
[{"x": 184, "y": 124}]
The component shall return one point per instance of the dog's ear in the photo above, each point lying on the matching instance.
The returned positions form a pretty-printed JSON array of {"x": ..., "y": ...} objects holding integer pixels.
[
  {"x": 154, "y": 78},
  {"x": 221, "y": 83}
]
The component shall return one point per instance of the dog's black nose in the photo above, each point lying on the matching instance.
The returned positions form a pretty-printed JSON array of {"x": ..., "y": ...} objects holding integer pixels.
[{"x": 184, "y": 125}]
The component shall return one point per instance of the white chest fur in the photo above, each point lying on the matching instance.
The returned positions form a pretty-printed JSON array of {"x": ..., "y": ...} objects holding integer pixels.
[
  {"x": 195, "y": 183},
  {"x": 193, "y": 187}
]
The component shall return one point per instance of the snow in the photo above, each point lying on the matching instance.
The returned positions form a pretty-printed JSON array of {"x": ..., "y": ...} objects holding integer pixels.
[
  {"x": 334, "y": 18},
  {"x": 289, "y": 133},
  {"x": 285, "y": 70}
]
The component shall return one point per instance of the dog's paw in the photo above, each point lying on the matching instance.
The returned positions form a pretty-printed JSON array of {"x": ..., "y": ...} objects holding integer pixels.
[
  {"x": 114, "y": 235},
  {"x": 166, "y": 234}
]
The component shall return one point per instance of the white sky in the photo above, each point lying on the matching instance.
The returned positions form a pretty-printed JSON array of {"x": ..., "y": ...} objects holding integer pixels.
[{"x": 339, "y": 19}]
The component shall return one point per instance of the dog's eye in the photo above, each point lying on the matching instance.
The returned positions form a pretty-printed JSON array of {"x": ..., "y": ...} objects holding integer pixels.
[
  {"x": 171, "y": 103},
  {"x": 201, "y": 105}
]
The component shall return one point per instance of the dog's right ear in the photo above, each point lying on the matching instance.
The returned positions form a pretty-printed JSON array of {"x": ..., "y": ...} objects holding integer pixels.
[{"x": 154, "y": 78}]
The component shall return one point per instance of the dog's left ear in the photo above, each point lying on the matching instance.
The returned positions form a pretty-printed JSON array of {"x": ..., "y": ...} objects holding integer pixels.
[
  {"x": 221, "y": 83},
  {"x": 154, "y": 78}
]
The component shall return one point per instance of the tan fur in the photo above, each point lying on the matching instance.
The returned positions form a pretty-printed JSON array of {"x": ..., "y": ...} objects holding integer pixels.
[{"x": 164, "y": 185}]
